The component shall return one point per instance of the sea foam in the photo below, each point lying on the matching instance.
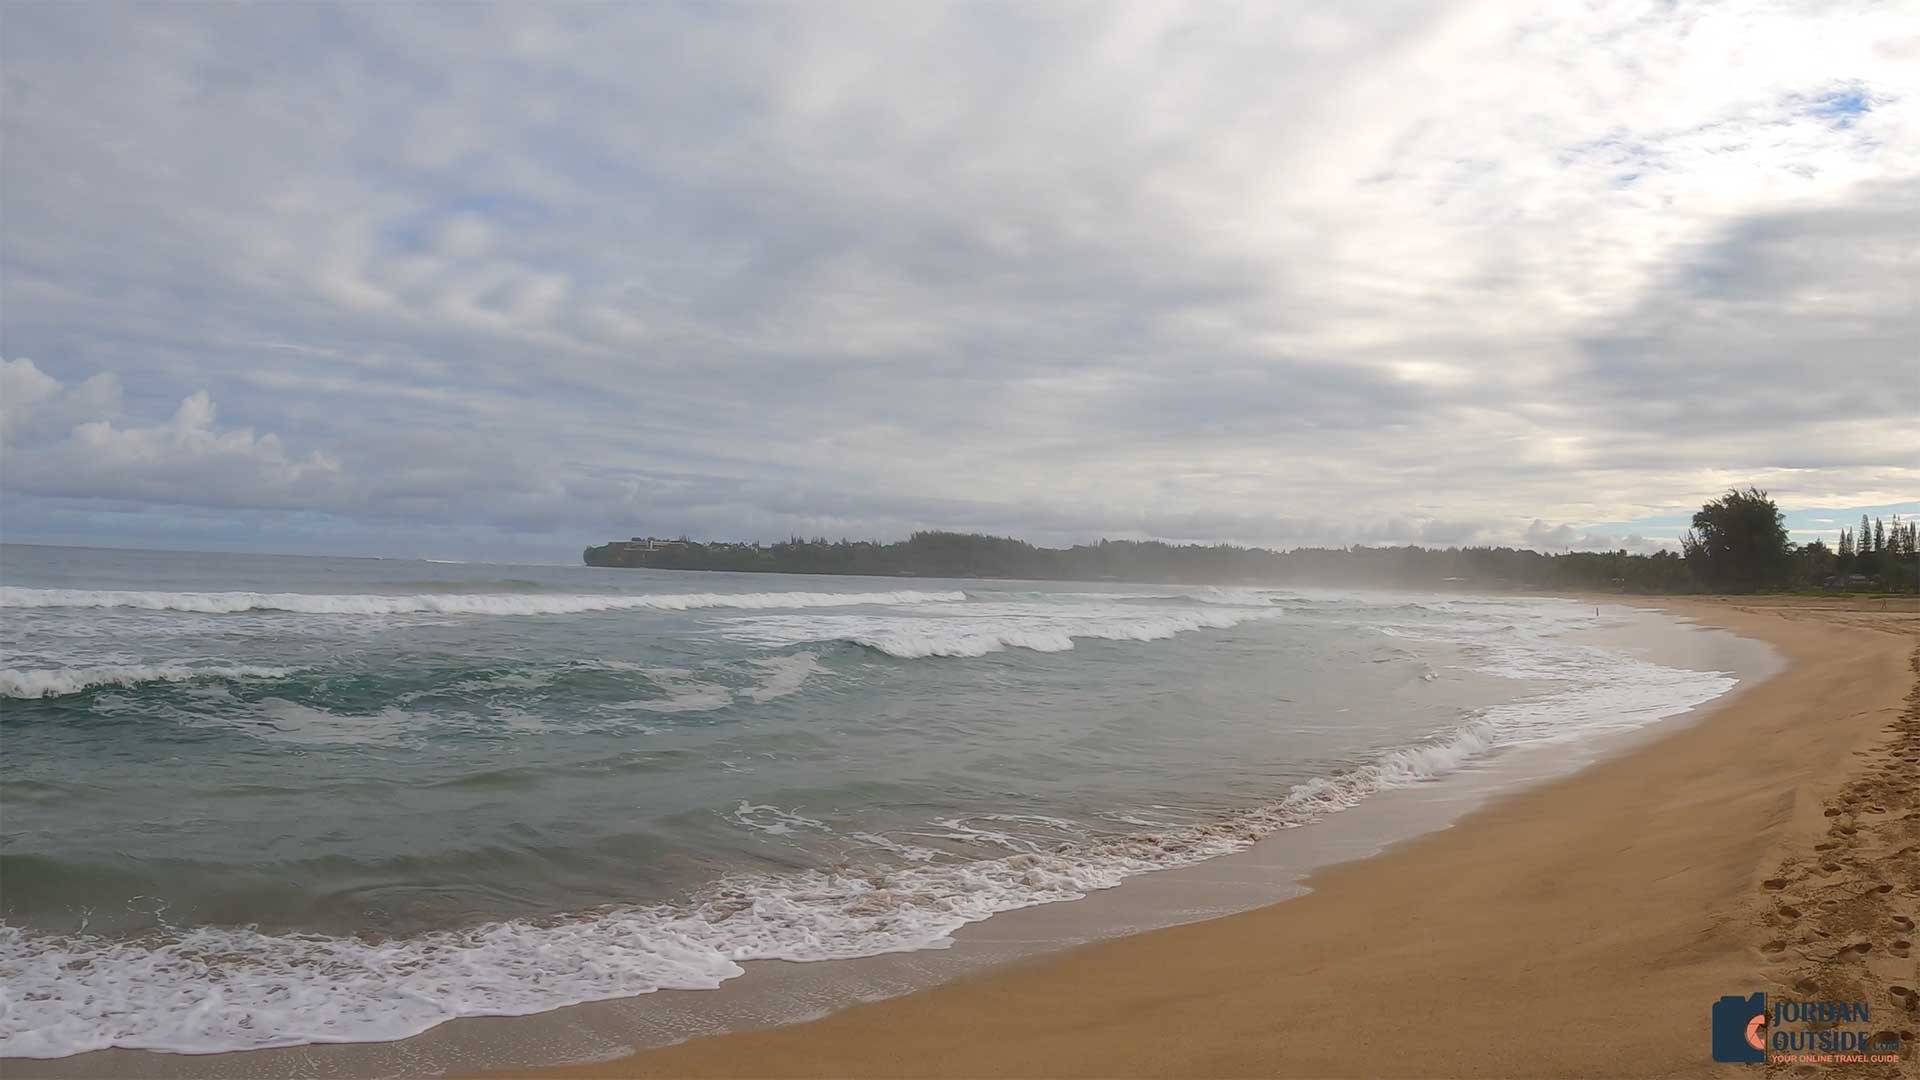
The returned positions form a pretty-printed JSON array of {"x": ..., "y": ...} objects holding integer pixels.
[
  {"x": 210, "y": 989},
  {"x": 216, "y": 988},
  {"x": 60, "y": 682},
  {"x": 991, "y": 628},
  {"x": 220, "y": 603}
]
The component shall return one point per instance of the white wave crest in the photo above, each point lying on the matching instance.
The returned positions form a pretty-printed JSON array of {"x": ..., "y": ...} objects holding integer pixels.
[
  {"x": 217, "y": 988},
  {"x": 60, "y": 682},
  {"x": 1221, "y": 594},
  {"x": 212, "y": 989},
  {"x": 992, "y": 628},
  {"x": 221, "y": 603}
]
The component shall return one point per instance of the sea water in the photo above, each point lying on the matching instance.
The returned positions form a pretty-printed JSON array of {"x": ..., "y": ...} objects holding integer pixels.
[{"x": 254, "y": 801}]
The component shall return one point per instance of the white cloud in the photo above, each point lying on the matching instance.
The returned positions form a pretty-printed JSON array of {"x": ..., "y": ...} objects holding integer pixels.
[
  {"x": 22, "y": 387},
  {"x": 33, "y": 403},
  {"x": 1245, "y": 271},
  {"x": 187, "y": 459}
]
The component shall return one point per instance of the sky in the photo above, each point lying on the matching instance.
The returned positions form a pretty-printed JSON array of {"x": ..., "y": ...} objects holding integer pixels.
[{"x": 474, "y": 281}]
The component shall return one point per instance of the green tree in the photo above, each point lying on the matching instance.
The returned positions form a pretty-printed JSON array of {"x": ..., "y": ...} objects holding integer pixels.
[
  {"x": 1817, "y": 561},
  {"x": 1866, "y": 558},
  {"x": 1738, "y": 542}
]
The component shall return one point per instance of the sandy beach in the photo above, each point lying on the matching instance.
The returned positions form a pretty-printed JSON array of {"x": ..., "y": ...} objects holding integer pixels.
[
  {"x": 1583, "y": 927},
  {"x": 573, "y": 541}
]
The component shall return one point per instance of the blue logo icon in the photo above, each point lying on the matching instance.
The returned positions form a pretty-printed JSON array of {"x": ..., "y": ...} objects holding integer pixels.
[{"x": 1740, "y": 1029}]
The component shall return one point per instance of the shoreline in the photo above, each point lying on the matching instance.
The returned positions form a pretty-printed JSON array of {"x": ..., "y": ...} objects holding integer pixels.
[
  {"x": 1581, "y": 925},
  {"x": 762, "y": 1015}
]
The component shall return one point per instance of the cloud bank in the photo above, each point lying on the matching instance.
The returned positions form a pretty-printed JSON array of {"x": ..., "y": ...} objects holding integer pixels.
[{"x": 504, "y": 280}]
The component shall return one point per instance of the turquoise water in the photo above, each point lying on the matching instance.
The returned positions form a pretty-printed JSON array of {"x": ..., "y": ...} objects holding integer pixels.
[{"x": 254, "y": 801}]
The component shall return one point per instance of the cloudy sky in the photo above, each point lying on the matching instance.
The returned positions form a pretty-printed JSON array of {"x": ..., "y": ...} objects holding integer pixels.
[{"x": 472, "y": 281}]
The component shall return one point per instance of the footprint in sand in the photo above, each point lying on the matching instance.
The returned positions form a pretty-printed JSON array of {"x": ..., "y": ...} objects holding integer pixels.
[
  {"x": 1902, "y": 922},
  {"x": 1900, "y": 948}
]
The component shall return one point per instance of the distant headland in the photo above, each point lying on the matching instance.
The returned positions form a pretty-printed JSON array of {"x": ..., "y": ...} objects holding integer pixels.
[{"x": 1738, "y": 546}]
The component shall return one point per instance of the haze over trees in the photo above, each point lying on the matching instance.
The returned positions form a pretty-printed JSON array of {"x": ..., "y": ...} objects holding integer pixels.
[{"x": 1738, "y": 543}]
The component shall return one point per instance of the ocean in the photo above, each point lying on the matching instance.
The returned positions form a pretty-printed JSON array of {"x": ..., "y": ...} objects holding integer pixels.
[{"x": 252, "y": 801}]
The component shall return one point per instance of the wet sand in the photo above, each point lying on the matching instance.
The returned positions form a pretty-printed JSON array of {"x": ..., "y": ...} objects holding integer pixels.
[{"x": 1580, "y": 927}]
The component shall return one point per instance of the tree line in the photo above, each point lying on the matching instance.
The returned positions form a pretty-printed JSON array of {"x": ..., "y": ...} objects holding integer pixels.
[{"x": 1738, "y": 543}]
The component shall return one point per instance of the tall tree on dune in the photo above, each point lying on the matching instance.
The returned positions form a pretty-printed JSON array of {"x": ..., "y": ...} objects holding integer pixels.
[{"x": 1738, "y": 542}]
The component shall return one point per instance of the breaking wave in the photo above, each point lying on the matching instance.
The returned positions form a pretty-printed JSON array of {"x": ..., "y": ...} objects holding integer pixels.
[
  {"x": 210, "y": 989},
  {"x": 1225, "y": 595},
  {"x": 204, "y": 989},
  {"x": 221, "y": 603},
  {"x": 986, "y": 631},
  {"x": 60, "y": 682}
]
